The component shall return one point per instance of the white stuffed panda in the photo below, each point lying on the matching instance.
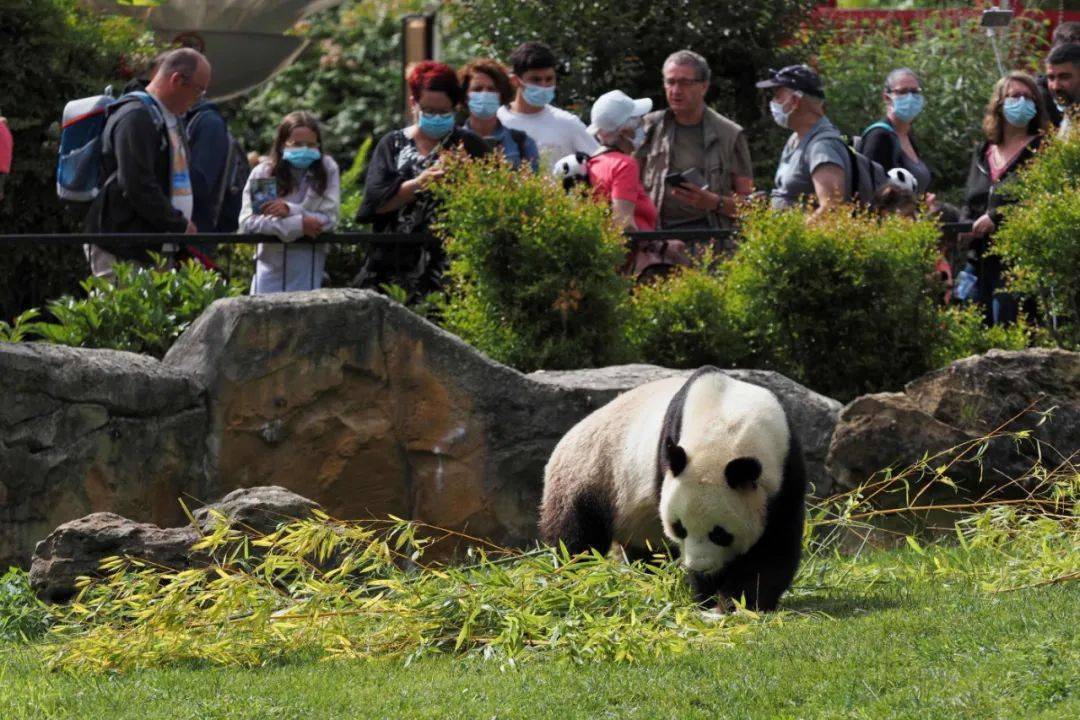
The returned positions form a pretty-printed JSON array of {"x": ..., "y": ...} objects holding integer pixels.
[{"x": 708, "y": 465}]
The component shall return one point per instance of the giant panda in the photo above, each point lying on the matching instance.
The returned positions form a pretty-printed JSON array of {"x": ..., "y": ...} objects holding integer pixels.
[{"x": 707, "y": 466}]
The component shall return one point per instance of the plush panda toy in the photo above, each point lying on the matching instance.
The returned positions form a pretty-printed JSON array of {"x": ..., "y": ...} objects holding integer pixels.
[{"x": 708, "y": 465}]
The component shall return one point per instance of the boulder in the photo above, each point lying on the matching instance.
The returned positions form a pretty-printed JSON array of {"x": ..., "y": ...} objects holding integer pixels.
[
  {"x": 258, "y": 510},
  {"x": 813, "y": 416},
  {"x": 77, "y": 548},
  {"x": 969, "y": 399},
  {"x": 83, "y": 431}
]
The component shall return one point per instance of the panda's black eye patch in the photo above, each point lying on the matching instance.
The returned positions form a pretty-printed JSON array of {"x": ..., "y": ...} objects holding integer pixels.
[
  {"x": 721, "y": 537},
  {"x": 680, "y": 531},
  {"x": 742, "y": 472}
]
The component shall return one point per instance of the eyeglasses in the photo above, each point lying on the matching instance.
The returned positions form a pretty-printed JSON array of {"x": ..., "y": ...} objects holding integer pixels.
[
  {"x": 682, "y": 82},
  {"x": 1019, "y": 96},
  {"x": 200, "y": 88}
]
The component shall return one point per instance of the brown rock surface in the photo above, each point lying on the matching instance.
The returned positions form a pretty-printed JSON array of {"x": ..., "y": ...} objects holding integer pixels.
[{"x": 969, "y": 399}]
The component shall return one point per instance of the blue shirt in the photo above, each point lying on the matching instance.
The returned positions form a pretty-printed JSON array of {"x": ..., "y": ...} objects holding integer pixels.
[{"x": 527, "y": 151}]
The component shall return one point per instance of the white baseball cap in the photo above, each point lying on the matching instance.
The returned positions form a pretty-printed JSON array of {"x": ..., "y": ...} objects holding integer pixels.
[{"x": 613, "y": 109}]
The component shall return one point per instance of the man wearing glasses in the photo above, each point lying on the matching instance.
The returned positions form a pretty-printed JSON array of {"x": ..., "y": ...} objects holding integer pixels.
[
  {"x": 146, "y": 161},
  {"x": 694, "y": 161}
]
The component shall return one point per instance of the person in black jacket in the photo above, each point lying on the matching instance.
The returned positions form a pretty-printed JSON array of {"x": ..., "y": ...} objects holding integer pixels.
[
  {"x": 405, "y": 163},
  {"x": 890, "y": 141},
  {"x": 146, "y": 161},
  {"x": 1015, "y": 123}
]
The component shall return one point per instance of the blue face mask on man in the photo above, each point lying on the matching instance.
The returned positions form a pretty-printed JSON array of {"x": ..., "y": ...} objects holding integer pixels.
[
  {"x": 538, "y": 95},
  {"x": 1019, "y": 111},
  {"x": 301, "y": 158},
  {"x": 483, "y": 103},
  {"x": 436, "y": 125},
  {"x": 908, "y": 106}
]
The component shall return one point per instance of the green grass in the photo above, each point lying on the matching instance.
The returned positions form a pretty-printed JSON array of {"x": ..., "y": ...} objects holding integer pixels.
[{"x": 884, "y": 647}]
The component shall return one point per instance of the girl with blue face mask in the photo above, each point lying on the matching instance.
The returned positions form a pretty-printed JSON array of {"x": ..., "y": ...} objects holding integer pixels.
[
  {"x": 890, "y": 141},
  {"x": 294, "y": 194}
]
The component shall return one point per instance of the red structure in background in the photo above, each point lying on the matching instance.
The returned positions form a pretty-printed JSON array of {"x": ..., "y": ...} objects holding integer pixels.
[{"x": 830, "y": 14}]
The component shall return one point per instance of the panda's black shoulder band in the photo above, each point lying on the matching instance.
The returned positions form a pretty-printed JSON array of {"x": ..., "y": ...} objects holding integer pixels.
[{"x": 671, "y": 430}]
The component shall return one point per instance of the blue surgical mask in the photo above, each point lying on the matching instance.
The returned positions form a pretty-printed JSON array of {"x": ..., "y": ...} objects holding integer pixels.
[
  {"x": 639, "y": 138},
  {"x": 1019, "y": 111},
  {"x": 301, "y": 158},
  {"x": 483, "y": 103},
  {"x": 907, "y": 107},
  {"x": 436, "y": 126},
  {"x": 538, "y": 96},
  {"x": 779, "y": 116}
]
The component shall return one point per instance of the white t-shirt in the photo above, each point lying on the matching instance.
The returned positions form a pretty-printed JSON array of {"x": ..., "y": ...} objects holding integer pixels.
[
  {"x": 179, "y": 165},
  {"x": 557, "y": 133}
]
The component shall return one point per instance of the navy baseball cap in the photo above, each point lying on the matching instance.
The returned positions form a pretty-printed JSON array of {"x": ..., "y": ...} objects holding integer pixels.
[{"x": 796, "y": 77}]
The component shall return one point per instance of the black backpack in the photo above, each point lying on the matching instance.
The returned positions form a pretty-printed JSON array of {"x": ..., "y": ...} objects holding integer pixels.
[
  {"x": 230, "y": 188},
  {"x": 867, "y": 176}
]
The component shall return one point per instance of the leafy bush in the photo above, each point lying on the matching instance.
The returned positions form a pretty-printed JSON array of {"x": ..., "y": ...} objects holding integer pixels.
[
  {"x": 143, "y": 311},
  {"x": 1040, "y": 237},
  {"x": 683, "y": 321},
  {"x": 955, "y": 63},
  {"x": 965, "y": 333},
  {"x": 53, "y": 51},
  {"x": 842, "y": 305},
  {"x": 22, "y": 615},
  {"x": 533, "y": 279}
]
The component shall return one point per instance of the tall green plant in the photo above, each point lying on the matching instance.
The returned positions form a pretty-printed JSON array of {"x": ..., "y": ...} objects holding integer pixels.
[
  {"x": 533, "y": 270},
  {"x": 955, "y": 63},
  {"x": 1040, "y": 237},
  {"x": 842, "y": 305}
]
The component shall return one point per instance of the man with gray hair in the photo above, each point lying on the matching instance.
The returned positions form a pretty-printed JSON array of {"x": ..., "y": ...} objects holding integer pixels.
[
  {"x": 146, "y": 162},
  {"x": 695, "y": 161}
]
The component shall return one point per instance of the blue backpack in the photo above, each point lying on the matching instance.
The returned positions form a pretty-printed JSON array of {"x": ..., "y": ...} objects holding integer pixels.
[{"x": 79, "y": 167}]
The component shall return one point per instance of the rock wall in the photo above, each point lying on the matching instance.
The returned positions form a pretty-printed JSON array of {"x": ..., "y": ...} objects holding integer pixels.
[
  {"x": 341, "y": 396},
  {"x": 84, "y": 431}
]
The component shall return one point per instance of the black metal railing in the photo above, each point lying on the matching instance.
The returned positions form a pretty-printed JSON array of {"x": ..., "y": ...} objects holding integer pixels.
[{"x": 393, "y": 241}]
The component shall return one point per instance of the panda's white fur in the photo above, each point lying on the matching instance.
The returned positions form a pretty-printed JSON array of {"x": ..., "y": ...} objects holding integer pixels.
[{"x": 606, "y": 468}]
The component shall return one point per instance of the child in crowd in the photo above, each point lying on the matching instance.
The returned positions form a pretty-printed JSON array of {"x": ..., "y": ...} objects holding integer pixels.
[{"x": 293, "y": 194}]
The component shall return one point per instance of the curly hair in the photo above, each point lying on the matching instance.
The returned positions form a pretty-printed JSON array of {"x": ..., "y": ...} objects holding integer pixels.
[
  {"x": 435, "y": 77},
  {"x": 493, "y": 70}
]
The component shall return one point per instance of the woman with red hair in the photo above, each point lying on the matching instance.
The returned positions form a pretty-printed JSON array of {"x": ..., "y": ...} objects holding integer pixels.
[{"x": 405, "y": 163}]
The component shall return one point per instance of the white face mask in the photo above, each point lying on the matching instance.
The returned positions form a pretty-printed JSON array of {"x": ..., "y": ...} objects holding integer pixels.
[{"x": 779, "y": 116}]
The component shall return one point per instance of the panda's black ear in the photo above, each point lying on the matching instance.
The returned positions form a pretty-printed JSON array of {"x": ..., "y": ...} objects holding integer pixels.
[
  {"x": 676, "y": 456},
  {"x": 743, "y": 473}
]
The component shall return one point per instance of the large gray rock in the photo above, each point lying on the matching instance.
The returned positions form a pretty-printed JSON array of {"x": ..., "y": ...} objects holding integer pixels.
[
  {"x": 1003, "y": 391},
  {"x": 813, "y": 416},
  {"x": 78, "y": 547},
  {"x": 83, "y": 431},
  {"x": 257, "y": 510}
]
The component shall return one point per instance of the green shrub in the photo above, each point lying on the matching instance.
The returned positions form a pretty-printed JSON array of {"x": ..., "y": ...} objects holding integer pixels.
[
  {"x": 842, "y": 305},
  {"x": 533, "y": 272},
  {"x": 53, "y": 51},
  {"x": 682, "y": 321},
  {"x": 965, "y": 333},
  {"x": 955, "y": 63},
  {"x": 22, "y": 615},
  {"x": 1040, "y": 237},
  {"x": 144, "y": 311}
]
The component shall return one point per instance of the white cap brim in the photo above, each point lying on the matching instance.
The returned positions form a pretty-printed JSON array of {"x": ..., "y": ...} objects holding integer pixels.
[{"x": 642, "y": 106}]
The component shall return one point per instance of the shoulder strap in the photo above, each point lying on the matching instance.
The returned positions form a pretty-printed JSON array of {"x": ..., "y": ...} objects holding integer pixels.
[
  {"x": 519, "y": 137},
  {"x": 886, "y": 126},
  {"x": 879, "y": 125}
]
